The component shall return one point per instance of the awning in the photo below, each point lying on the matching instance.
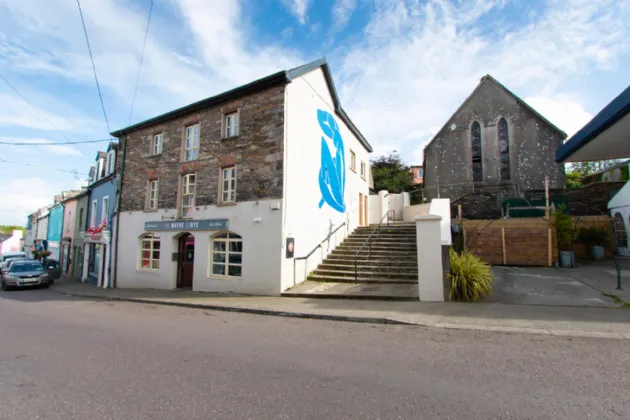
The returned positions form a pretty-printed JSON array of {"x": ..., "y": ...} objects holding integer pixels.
[{"x": 606, "y": 136}]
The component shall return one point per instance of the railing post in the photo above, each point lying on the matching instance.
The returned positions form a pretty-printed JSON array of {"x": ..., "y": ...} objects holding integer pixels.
[{"x": 356, "y": 275}]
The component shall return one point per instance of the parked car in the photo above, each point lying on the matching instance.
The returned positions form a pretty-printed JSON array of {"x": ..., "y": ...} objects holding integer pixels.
[
  {"x": 25, "y": 273},
  {"x": 9, "y": 255},
  {"x": 10, "y": 261},
  {"x": 54, "y": 269}
]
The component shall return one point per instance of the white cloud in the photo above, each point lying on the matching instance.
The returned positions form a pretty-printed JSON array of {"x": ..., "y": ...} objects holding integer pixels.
[
  {"x": 568, "y": 115},
  {"x": 298, "y": 8},
  {"x": 418, "y": 61},
  {"x": 21, "y": 197},
  {"x": 342, "y": 12}
]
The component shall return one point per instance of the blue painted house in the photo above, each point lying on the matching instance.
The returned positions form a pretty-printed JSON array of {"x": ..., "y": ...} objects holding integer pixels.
[
  {"x": 98, "y": 235},
  {"x": 55, "y": 230}
]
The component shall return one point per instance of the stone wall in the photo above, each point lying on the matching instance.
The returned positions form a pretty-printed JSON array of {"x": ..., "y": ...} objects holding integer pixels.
[
  {"x": 257, "y": 152},
  {"x": 532, "y": 145}
]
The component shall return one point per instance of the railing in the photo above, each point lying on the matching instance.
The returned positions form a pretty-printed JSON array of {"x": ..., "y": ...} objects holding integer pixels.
[
  {"x": 368, "y": 242},
  {"x": 319, "y": 245}
]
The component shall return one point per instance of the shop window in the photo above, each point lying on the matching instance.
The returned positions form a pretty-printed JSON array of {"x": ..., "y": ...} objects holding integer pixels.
[
  {"x": 226, "y": 255},
  {"x": 149, "y": 252}
]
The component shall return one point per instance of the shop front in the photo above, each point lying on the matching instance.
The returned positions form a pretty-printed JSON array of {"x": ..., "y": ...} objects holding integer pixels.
[{"x": 96, "y": 258}]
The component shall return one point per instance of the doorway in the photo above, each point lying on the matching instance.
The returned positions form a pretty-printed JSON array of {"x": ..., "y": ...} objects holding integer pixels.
[
  {"x": 185, "y": 261},
  {"x": 363, "y": 216}
]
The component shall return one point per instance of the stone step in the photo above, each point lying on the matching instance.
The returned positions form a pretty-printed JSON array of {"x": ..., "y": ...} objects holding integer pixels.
[
  {"x": 376, "y": 253},
  {"x": 377, "y": 245},
  {"x": 364, "y": 261},
  {"x": 381, "y": 239},
  {"x": 367, "y": 274},
  {"x": 367, "y": 267},
  {"x": 383, "y": 235},
  {"x": 311, "y": 289},
  {"x": 341, "y": 277},
  {"x": 393, "y": 229}
]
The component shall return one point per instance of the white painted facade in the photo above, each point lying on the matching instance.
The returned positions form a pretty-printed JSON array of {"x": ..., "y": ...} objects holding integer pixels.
[
  {"x": 255, "y": 221},
  {"x": 304, "y": 219},
  {"x": 42, "y": 228},
  {"x": 264, "y": 225},
  {"x": 619, "y": 207}
]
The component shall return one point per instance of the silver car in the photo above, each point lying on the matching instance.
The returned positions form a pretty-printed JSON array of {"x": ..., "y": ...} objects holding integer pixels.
[{"x": 25, "y": 273}]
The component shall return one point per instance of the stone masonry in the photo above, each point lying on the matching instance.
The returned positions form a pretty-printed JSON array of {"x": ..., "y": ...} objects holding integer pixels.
[
  {"x": 533, "y": 142},
  {"x": 257, "y": 151}
]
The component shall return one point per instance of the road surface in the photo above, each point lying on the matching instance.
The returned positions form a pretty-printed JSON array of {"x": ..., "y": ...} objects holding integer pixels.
[{"x": 68, "y": 358}]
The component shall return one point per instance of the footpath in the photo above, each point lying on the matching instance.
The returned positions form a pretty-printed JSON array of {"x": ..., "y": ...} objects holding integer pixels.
[{"x": 488, "y": 316}]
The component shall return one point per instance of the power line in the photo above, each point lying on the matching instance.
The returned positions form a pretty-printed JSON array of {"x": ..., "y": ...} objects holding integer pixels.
[
  {"x": 98, "y": 87},
  {"x": 53, "y": 144},
  {"x": 144, "y": 44},
  {"x": 34, "y": 108},
  {"x": 43, "y": 167}
]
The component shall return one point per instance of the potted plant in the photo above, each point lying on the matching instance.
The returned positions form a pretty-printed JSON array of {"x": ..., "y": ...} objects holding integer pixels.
[
  {"x": 563, "y": 223},
  {"x": 596, "y": 239}
]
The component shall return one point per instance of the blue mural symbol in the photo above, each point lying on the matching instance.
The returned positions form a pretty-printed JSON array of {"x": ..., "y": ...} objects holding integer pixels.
[{"x": 332, "y": 173}]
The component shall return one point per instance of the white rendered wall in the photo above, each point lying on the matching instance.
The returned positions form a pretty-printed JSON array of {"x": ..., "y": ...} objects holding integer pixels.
[
  {"x": 261, "y": 259},
  {"x": 42, "y": 228},
  {"x": 430, "y": 273},
  {"x": 304, "y": 219},
  {"x": 442, "y": 207}
]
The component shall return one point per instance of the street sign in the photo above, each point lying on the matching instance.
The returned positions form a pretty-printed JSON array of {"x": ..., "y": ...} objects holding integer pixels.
[{"x": 206, "y": 224}]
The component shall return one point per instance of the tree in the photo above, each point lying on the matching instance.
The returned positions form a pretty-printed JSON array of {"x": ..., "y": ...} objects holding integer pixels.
[
  {"x": 580, "y": 170},
  {"x": 391, "y": 174},
  {"x": 11, "y": 228}
]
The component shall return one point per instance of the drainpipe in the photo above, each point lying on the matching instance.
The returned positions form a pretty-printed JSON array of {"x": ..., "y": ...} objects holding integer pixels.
[{"x": 113, "y": 278}]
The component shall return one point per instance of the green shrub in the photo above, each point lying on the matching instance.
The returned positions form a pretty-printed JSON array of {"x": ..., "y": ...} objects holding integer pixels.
[
  {"x": 471, "y": 278},
  {"x": 593, "y": 236}
]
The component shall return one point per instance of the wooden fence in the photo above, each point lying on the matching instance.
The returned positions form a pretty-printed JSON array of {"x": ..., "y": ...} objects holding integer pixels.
[{"x": 531, "y": 241}]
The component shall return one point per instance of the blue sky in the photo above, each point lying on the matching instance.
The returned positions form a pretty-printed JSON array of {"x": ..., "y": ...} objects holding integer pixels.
[{"x": 401, "y": 67}]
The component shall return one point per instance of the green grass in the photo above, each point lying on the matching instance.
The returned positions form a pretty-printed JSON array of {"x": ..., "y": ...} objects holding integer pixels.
[{"x": 617, "y": 299}]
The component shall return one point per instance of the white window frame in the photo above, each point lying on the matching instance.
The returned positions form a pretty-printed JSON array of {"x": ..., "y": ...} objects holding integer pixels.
[
  {"x": 218, "y": 254},
  {"x": 101, "y": 169},
  {"x": 228, "y": 184},
  {"x": 153, "y": 263},
  {"x": 363, "y": 169},
  {"x": 157, "y": 142},
  {"x": 93, "y": 214},
  {"x": 191, "y": 143},
  {"x": 188, "y": 191},
  {"x": 152, "y": 194},
  {"x": 353, "y": 161},
  {"x": 231, "y": 123},
  {"x": 104, "y": 209},
  {"x": 111, "y": 162}
]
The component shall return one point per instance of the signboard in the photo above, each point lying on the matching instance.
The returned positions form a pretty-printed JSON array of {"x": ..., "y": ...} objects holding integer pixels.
[
  {"x": 207, "y": 224},
  {"x": 290, "y": 247}
]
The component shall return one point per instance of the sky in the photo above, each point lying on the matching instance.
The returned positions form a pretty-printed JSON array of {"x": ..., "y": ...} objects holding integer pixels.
[{"x": 402, "y": 67}]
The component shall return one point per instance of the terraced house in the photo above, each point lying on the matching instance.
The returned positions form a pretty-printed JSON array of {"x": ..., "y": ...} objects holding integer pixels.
[{"x": 223, "y": 194}]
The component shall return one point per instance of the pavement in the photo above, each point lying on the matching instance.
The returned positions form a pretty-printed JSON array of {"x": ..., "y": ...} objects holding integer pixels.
[
  {"x": 64, "y": 357},
  {"x": 609, "y": 319}
]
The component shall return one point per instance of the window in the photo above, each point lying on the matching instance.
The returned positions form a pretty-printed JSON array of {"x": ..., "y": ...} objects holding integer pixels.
[
  {"x": 420, "y": 173},
  {"x": 363, "y": 167},
  {"x": 67, "y": 224},
  {"x": 231, "y": 124},
  {"x": 353, "y": 161},
  {"x": 111, "y": 162},
  {"x": 620, "y": 231},
  {"x": 156, "y": 144},
  {"x": 101, "y": 168},
  {"x": 152, "y": 199},
  {"x": 504, "y": 149},
  {"x": 477, "y": 169},
  {"x": 93, "y": 213},
  {"x": 105, "y": 209},
  {"x": 80, "y": 218},
  {"x": 226, "y": 255},
  {"x": 149, "y": 252},
  {"x": 188, "y": 195},
  {"x": 228, "y": 178},
  {"x": 191, "y": 148}
]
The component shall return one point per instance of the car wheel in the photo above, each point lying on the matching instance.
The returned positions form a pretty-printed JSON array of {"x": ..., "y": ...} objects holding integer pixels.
[
  {"x": 5, "y": 287},
  {"x": 45, "y": 285}
]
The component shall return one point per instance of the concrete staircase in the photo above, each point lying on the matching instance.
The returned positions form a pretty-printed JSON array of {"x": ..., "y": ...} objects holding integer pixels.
[{"x": 390, "y": 273}]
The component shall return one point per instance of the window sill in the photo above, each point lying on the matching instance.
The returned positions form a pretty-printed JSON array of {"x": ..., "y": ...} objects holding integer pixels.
[
  {"x": 219, "y": 277},
  {"x": 151, "y": 155},
  {"x": 353, "y": 169},
  {"x": 150, "y": 210},
  {"x": 229, "y": 204},
  {"x": 148, "y": 270},
  {"x": 231, "y": 137}
]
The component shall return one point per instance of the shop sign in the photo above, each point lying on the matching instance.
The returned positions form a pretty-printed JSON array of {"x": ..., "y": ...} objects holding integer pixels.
[{"x": 206, "y": 224}]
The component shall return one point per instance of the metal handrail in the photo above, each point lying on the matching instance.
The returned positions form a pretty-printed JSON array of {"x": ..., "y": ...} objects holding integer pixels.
[
  {"x": 368, "y": 241},
  {"x": 319, "y": 245}
]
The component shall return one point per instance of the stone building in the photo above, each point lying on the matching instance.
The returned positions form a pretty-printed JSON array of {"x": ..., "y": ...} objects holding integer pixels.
[
  {"x": 222, "y": 194},
  {"x": 495, "y": 146}
]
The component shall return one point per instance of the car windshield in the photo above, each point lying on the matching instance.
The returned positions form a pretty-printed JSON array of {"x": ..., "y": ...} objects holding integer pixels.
[
  {"x": 24, "y": 267},
  {"x": 10, "y": 257}
]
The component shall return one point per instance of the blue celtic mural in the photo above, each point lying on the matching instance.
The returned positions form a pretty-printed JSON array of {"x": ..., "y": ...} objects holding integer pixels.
[{"x": 332, "y": 173}]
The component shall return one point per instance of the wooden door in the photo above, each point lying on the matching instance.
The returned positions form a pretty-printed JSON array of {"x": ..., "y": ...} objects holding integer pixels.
[
  {"x": 185, "y": 261},
  {"x": 360, "y": 209},
  {"x": 365, "y": 209}
]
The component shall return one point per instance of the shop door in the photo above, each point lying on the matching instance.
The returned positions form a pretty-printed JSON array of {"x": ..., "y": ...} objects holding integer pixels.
[{"x": 185, "y": 261}]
